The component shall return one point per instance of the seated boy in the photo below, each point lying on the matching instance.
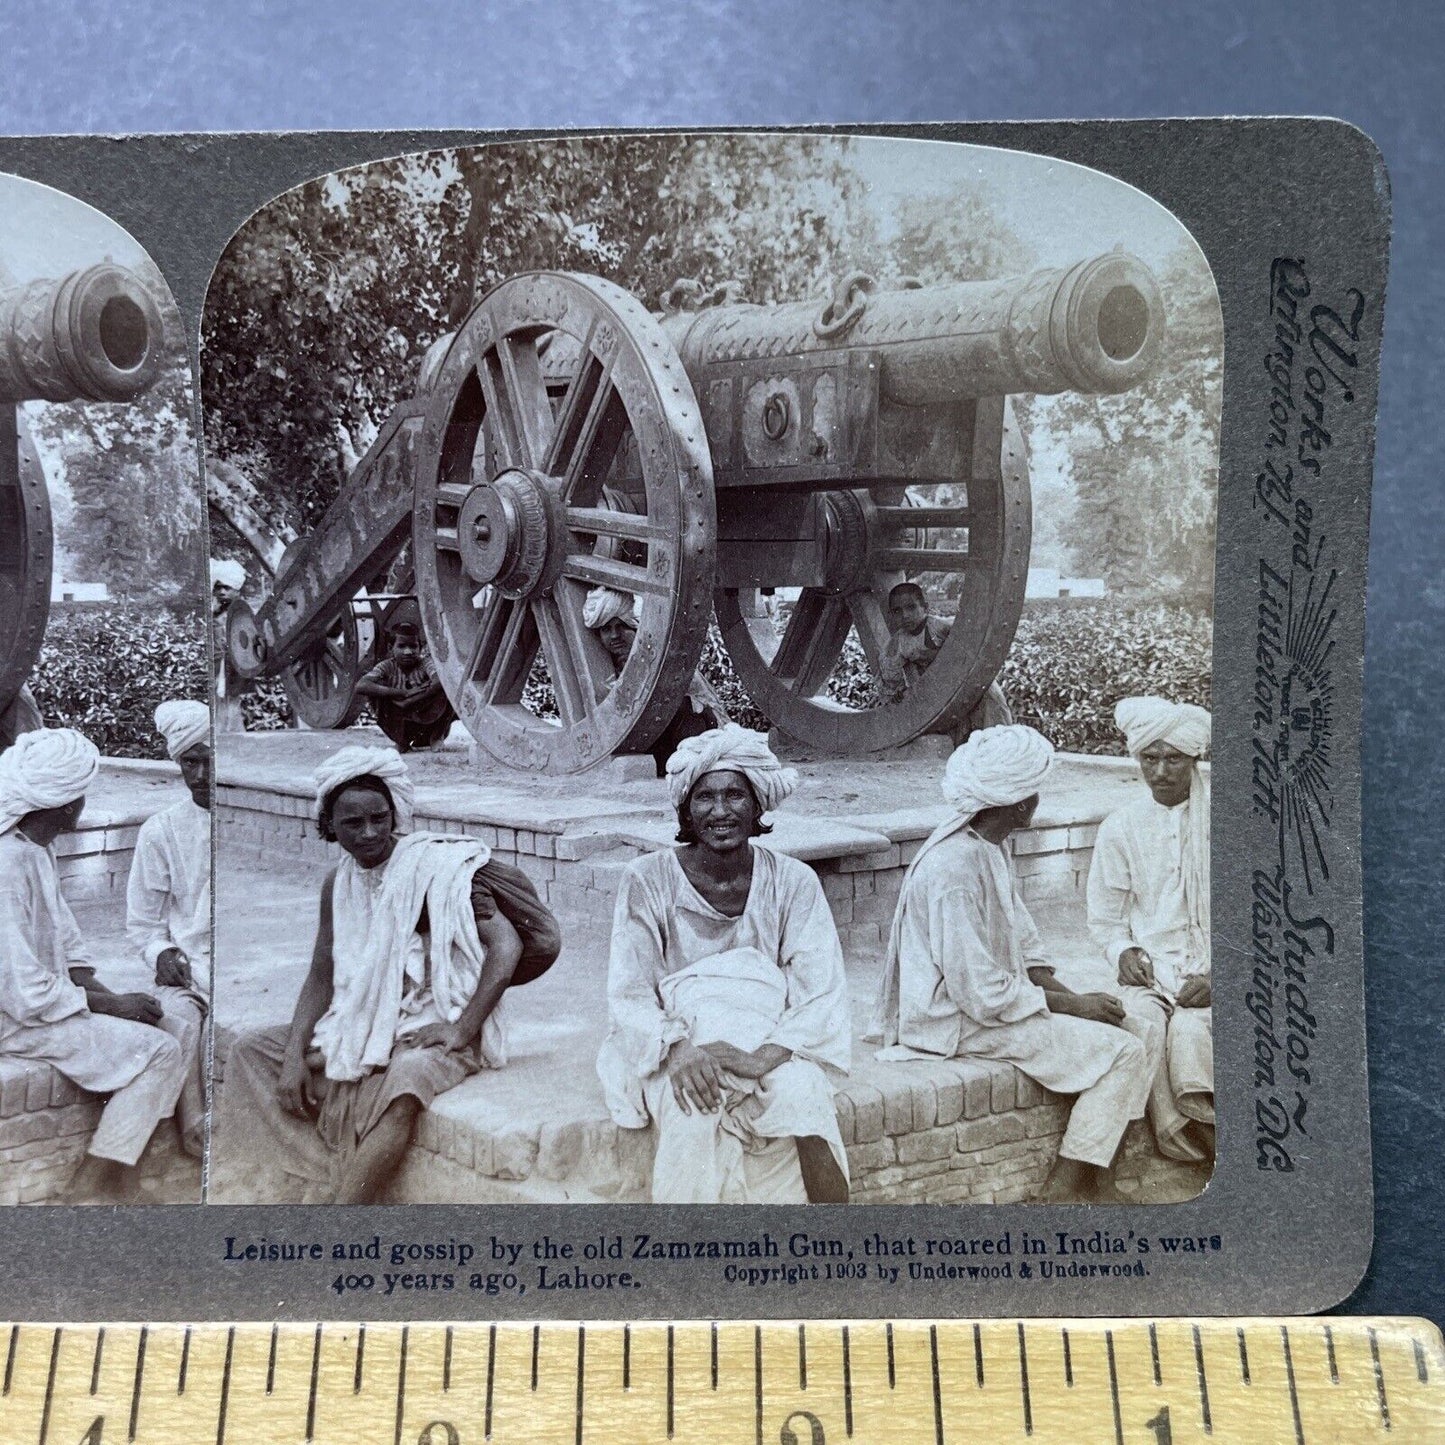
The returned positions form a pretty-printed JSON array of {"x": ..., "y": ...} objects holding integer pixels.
[
  {"x": 406, "y": 695},
  {"x": 915, "y": 638}
]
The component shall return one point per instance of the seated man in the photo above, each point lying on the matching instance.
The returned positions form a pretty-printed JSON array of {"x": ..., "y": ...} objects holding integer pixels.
[
  {"x": 611, "y": 616},
  {"x": 965, "y": 977},
  {"x": 915, "y": 638},
  {"x": 168, "y": 905},
  {"x": 726, "y": 999},
  {"x": 415, "y": 948},
  {"x": 403, "y": 688},
  {"x": 1149, "y": 913},
  {"x": 51, "y": 1008}
]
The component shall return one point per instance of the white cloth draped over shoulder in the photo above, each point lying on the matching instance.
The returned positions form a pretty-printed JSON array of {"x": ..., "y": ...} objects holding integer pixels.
[
  {"x": 387, "y": 980},
  {"x": 774, "y": 975}
]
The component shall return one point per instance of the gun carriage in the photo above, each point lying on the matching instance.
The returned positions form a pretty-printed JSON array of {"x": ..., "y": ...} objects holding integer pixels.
[
  {"x": 565, "y": 437},
  {"x": 93, "y": 335}
]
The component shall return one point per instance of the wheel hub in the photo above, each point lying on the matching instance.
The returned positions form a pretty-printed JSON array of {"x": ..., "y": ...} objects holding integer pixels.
[
  {"x": 847, "y": 529},
  {"x": 509, "y": 535}
]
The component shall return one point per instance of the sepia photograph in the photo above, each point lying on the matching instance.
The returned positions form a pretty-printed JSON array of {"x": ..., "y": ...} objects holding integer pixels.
[
  {"x": 712, "y": 653},
  {"x": 105, "y": 723}
]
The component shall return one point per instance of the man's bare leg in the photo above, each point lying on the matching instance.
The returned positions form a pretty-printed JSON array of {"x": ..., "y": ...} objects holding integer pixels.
[
  {"x": 378, "y": 1156},
  {"x": 822, "y": 1178}
]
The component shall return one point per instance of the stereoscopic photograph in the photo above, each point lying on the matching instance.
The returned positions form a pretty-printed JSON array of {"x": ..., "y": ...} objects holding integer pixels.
[
  {"x": 713, "y": 648},
  {"x": 105, "y": 724}
]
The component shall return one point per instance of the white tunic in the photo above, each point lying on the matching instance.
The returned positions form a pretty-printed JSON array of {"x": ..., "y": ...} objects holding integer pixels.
[
  {"x": 1137, "y": 895},
  {"x": 40, "y": 941},
  {"x": 663, "y": 927},
  {"x": 168, "y": 896}
]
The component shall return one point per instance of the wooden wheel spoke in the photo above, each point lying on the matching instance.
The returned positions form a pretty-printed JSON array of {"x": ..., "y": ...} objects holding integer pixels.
[
  {"x": 528, "y": 405},
  {"x": 489, "y": 629},
  {"x": 606, "y": 522},
  {"x": 871, "y": 624},
  {"x": 508, "y": 666},
  {"x": 446, "y": 540},
  {"x": 812, "y": 641},
  {"x": 612, "y": 572},
  {"x": 588, "y": 381},
  {"x": 575, "y": 679},
  {"x": 452, "y": 494},
  {"x": 591, "y": 455},
  {"x": 910, "y": 517}
]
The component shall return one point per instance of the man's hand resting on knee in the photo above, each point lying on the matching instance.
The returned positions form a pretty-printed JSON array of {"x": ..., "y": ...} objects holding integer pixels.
[
  {"x": 299, "y": 1090},
  {"x": 1101, "y": 1008}
]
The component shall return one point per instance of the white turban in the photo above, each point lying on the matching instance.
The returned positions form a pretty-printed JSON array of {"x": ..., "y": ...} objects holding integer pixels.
[
  {"x": 1147, "y": 720},
  {"x": 44, "y": 768},
  {"x": 729, "y": 749},
  {"x": 603, "y": 605},
  {"x": 997, "y": 767},
  {"x": 183, "y": 724},
  {"x": 227, "y": 573},
  {"x": 358, "y": 762}
]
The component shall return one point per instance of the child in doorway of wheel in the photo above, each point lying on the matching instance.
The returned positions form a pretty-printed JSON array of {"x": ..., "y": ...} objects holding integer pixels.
[
  {"x": 915, "y": 638},
  {"x": 407, "y": 697}
]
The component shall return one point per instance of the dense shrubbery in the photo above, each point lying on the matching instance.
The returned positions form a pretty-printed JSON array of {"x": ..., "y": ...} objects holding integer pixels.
[
  {"x": 104, "y": 670},
  {"x": 1069, "y": 664}
]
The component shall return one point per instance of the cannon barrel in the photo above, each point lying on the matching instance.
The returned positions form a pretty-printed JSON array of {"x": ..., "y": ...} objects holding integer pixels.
[
  {"x": 1093, "y": 327},
  {"x": 93, "y": 335}
]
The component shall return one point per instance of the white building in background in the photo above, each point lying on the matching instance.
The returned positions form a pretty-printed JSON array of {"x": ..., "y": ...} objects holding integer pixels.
[
  {"x": 62, "y": 590},
  {"x": 1046, "y": 583}
]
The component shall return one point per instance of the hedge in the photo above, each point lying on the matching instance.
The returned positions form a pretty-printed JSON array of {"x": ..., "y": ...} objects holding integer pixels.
[
  {"x": 1068, "y": 666},
  {"x": 104, "y": 670}
]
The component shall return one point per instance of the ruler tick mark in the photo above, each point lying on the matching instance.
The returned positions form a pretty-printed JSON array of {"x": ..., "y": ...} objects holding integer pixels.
[
  {"x": 626, "y": 1357},
  {"x": 714, "y": 1354},
  {"x": 1154, "y": 1353},
  {"x": 50, "y": 1386},
  {"x": 1379, "y": 1378},
  {"x": 1243, "y": 1358},
  {"x": 360, "y": 1356},
  {"x": 536, "y": 1349},
  {"x": 311, "y": 1397},
  {"x": 978, "y": 1355},
  {"x": 581, "y": 1377},
  {"x": 758, "y": 1382},
  {"x": 1068, "y": 1362},
  {"x": 1203, "y": 1383},
  {"x": 140, "y": 1366},
  {"x": 447, "y": 1363},
  {"x": 185, "y": 1362},
  {"x": 1114, "y": 1387},
  {"x": 271, "y": 1362},
  {"x": 1024, "y": 1382},
  {"x": 1422, "y": 1370},
  {"x": 491, "y": 1373},
  {"x": 1330, "y": 1351},
  {"x": 95, "y": 1364},
  {"x": 802, "y": 1357},
  {"x": 847, "y": 1386},
  {"x": 1299, "y": 1429},
  {"x": 10, "y": 1358},
  {"x": 892, "y": 1379},
  {"x": 670, "y": 1382},
  {"x": 937, "y": 1391},
  {"x": 400, "y": 1380},
  {"x": 225, "y": 1387}
]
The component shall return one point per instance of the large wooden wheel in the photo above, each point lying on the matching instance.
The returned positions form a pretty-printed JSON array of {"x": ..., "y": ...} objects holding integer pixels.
[
  {"x": 874, "y": 539},
  {"x": 26, "y": 547},
  {"x": 321, "y": 685},
  {"x": 557, "y": 386}
]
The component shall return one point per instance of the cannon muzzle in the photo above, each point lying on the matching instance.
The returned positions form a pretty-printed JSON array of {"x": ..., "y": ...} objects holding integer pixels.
[
  {"x": 1094, "y": 327},
  {"x": 94, "y": 335}
]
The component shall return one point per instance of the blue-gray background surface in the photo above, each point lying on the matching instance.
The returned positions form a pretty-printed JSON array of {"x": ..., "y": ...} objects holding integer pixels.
[{"x": 128, "y": 65}]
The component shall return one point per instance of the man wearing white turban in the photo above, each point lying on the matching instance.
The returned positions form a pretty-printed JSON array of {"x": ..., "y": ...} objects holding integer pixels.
[
  {"x": 612, "y": 616},
  {"x": 415, "y": 948},
  {"x": 965, "y": 975},
  {"x": 728, "y": 1012},
  {"x": 228, "y": 579},
  {"x": 168, "y": 904},
  {"x": 52, "y": 1009},
  {"x": 1148, "y": 898}
]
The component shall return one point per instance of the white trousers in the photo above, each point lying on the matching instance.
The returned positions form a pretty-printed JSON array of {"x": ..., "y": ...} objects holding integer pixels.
[
  {"x": 140, "y": 1067},
  {"x": 1179, "y": 1046}
]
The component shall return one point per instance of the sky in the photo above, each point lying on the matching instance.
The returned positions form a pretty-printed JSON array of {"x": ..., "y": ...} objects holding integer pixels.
[{"x": 44, "y": 232}]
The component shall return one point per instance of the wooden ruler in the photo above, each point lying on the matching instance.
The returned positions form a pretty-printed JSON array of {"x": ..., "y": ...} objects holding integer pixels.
[{"x": 947, "y": 1382}]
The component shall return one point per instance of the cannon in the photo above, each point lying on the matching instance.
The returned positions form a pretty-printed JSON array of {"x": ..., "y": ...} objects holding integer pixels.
[
  {"x": 93, "y": 335},
  {"x": 702, "y": 459}
]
